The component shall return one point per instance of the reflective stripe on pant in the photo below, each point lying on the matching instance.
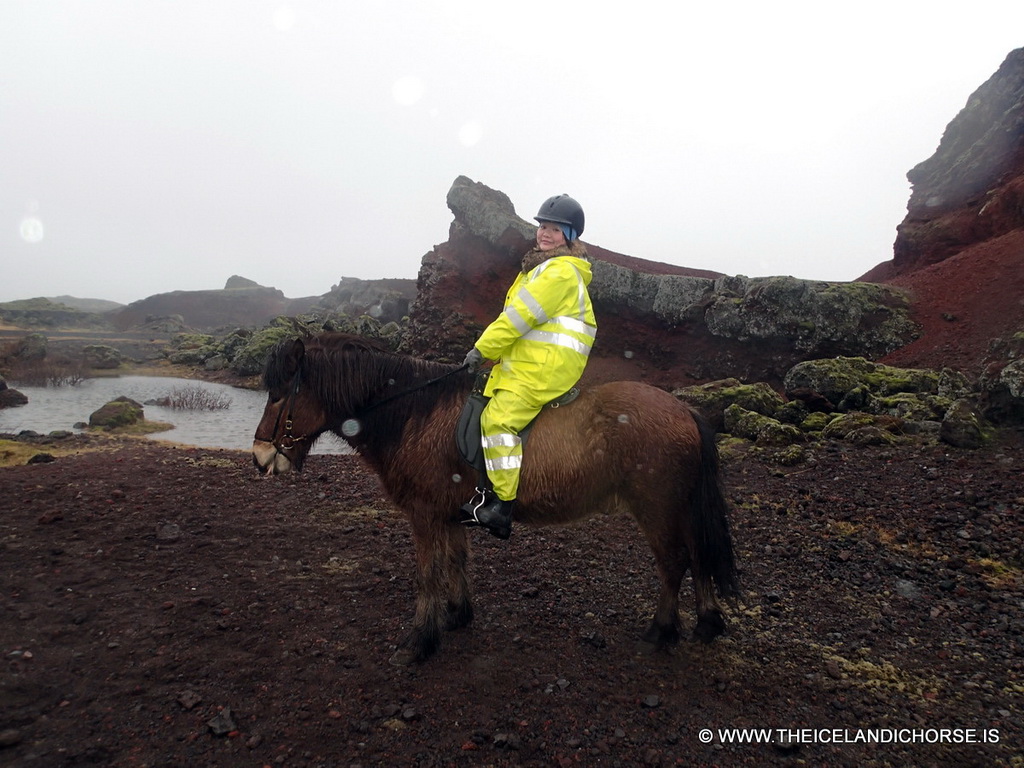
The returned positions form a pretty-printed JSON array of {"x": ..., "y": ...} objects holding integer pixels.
[{"x": 500, "y": 424}]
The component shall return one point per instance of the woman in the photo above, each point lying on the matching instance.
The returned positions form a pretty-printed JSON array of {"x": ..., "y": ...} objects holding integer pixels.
[{"x": 541, "y": 341}]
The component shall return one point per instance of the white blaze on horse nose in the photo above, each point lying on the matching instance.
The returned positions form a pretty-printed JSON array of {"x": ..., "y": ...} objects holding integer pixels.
[
  {"x": 263, "y": 452},
  {"x": 351, "y": 427}
]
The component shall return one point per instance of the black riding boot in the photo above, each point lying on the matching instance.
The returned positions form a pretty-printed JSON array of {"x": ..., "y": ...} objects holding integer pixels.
[{"x": 493, "y": 514}]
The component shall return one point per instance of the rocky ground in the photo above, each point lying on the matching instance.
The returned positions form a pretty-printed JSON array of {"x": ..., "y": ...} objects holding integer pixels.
[{"x": 164, "y": 606}]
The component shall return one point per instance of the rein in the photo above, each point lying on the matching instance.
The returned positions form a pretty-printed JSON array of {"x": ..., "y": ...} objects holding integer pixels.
[
  {"x": 282, "y": 445},
  {"x": 410, "y": 390}
]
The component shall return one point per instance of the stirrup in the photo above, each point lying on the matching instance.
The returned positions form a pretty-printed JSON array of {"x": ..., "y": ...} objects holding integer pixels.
[{"x": 470, "y": 508}]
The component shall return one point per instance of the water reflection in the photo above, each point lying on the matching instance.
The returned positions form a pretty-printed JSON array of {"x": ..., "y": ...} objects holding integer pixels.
[{"x": 53, "y": 408}]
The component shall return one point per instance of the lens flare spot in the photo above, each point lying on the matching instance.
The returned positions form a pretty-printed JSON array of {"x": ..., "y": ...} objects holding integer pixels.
[
  {"x": 32, "y": 229},
  {"x": 470, "y": 133},
  {"x": 351, "y": 427},
  {"x": 628, "y": 354},
  {"x": 623, "y": 418},
  {"x": 407, "y": 90},
  {"x": 456, "y": 478}
]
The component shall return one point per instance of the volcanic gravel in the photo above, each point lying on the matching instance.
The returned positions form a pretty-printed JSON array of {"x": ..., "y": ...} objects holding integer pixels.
[{"x": 165, "y": 606}]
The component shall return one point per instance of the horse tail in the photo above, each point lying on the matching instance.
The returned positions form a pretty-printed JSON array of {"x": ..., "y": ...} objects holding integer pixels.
[{"x": 710, "y": 516}]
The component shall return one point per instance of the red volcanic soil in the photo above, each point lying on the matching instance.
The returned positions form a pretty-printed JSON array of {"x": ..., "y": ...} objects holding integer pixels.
[
  {"x": 164, "y": 606},
  {"x": 963, "y": 303}
]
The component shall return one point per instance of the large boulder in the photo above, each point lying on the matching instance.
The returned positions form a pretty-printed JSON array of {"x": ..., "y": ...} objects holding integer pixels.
[
  {"x": 713, "y": 398},
  {"x": 670, "y": 326},
  {"x": 120, "y": 412},
  {"x": 855, "y": 380},
  {"x": 31, "y": 348},
  {"x": 1003, "y": 394},
  {"x": 102, "y": 356},
  {"x": 10, "y": 397}
]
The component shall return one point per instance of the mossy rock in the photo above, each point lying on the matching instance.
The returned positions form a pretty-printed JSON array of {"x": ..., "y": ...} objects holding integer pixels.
[
  {"x": 102, "y": 356},
  {"x": 762, "y": 429},
  {"x": 732, "y": 448},
  {"x": 712, "y": 399},
  {"x": 862, "y": 427},
  {"x": 192, "y": 340},
  {"x": 789, "y": 456},
  {"x": 816, "y": 422},
  {"x": 121, "y": 412},
  {"x": 11, "y": 398},
  {"x": 794, "y": 412},
  {"x": 31, "y": 347},
  {"x": 912, "y": 406},
  {"x": 252, "y": 356},
  {"x": 856, "y": 380},
  {"x": 192, "y": 355},
  {"x": 963, "y": 426}
]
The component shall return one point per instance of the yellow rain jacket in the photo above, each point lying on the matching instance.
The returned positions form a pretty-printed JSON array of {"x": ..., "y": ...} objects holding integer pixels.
[{"x": 542, "y": 340}]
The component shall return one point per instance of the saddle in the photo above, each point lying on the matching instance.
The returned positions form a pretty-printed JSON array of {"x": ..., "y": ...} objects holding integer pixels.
[{"x": 467, "y": 430}]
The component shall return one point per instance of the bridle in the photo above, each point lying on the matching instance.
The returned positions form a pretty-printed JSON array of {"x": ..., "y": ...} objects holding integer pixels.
[{"x": 287, "y": 441}]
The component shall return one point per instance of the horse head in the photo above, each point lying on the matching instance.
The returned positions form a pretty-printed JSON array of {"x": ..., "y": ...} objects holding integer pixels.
[{"x": 293, "y": 418}]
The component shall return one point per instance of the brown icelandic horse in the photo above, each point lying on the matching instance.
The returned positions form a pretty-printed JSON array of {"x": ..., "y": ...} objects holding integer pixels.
[{"x": 622, "y": 446}]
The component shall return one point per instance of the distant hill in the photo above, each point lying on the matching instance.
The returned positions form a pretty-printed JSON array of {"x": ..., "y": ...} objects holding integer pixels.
[
  {"x": 243, "y": 302},
  {"x": 86, "y": 305}
]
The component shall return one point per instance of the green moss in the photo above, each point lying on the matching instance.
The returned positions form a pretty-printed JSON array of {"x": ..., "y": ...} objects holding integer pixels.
[
  {"x": 762, "y": 429},
  {"x": 815, "y": 422}
]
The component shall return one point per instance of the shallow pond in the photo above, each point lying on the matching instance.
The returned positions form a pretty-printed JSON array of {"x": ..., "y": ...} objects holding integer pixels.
[{"x": 54, "y": 408}]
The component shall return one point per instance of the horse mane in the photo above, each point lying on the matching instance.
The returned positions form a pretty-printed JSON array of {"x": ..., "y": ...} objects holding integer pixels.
[{"x": 351, "y": 373}]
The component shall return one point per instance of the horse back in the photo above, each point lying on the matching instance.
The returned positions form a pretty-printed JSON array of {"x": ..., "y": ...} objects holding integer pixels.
[{"x": 616, "y": 436}]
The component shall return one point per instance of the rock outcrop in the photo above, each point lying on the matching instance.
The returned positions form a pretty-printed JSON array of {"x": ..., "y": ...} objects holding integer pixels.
[
  {"x": 960, "y": 250},
  {"x": 668, "y": 325},
  {"x": 972, "y": 189}
]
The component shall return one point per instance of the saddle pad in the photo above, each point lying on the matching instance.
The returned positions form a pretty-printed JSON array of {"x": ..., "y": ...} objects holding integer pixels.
[{"x": 467, "y": 430}]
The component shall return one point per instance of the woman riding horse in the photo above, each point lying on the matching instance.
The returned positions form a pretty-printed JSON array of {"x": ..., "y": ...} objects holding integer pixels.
[
  {"x": 623, "y": 446},
  {"x": 542, "y": 340}
]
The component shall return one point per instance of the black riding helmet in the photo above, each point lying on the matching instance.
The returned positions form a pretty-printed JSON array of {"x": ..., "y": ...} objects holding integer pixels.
[{"x": 562, "y": 209}]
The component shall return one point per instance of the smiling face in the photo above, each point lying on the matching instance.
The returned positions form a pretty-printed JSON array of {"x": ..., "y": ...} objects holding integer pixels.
[{"x": 549, "y": 236}]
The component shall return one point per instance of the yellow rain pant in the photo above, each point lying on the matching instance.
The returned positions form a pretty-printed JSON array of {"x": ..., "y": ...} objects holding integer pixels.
[{"x": 500, "y": 424}]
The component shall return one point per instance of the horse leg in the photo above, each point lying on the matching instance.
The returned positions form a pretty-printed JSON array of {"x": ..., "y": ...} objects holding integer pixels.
[
  {"x": 710, "y": 619},
  {"x": 432, "y": 543},
  {"x": 665, "y": 628},
  {"x": 459, "y": 605}
]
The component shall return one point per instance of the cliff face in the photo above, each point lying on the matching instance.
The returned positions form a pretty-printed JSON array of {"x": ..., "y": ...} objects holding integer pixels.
[
  {"x": 959, "y": 252},
  {"x": 972, "y": 189},
  {"x": 668, "y": 325}
]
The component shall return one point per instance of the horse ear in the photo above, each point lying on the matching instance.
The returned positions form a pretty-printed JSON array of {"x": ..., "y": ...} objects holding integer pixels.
[{"x": 295, "y": 355}]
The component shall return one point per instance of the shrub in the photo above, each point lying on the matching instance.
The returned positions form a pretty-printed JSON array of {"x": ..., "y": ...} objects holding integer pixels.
[{"x": 196, "y": 398}]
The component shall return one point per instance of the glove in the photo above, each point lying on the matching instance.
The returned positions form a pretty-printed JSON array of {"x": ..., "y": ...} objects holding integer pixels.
[{"x": 473, "y": 360}]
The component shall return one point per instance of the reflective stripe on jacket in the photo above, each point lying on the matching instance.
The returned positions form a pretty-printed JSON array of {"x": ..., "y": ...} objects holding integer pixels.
[{"x": 545, "y": 333}]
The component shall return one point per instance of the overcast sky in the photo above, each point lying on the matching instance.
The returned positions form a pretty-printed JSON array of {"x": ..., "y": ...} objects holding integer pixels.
[{"x": 149, "y": 146}]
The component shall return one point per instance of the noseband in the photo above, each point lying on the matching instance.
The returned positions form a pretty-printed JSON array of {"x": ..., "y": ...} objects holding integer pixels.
[{"x": 287, "y": 441}]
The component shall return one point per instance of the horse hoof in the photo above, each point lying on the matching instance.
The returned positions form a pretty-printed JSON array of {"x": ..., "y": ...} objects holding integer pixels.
[
  {"x": 646, "y": 648},
  {"x": 709, "y": 627},
  {"x": 403, "y": 657}
]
